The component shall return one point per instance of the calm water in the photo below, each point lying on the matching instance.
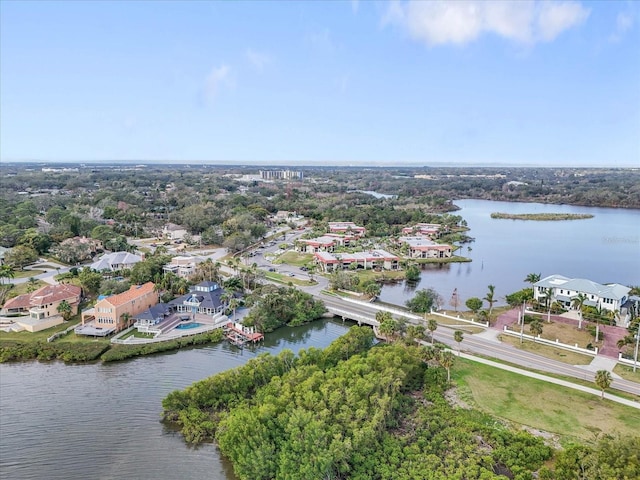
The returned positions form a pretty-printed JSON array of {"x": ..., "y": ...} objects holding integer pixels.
[
  {"x": 605, "y": 249},
  {"x": 99, "y": 421}
]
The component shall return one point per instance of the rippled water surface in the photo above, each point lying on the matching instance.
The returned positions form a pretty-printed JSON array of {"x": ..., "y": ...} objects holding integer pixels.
[
  {"x": 100, "y": 421},
  {"x": 605, "y": 249}
]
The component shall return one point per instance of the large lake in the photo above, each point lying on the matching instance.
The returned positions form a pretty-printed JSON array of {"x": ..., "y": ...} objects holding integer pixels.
[
  {"x": 103, "y": 421},
  {"x": 605, "y": 249}
]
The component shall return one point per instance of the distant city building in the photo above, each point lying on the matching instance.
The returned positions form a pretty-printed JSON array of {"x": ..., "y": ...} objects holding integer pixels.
[{"x": 281, "y": 175}]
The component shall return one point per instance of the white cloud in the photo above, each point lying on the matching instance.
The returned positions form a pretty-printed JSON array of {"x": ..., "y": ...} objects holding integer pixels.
[
  {"x": 460, "y": 22},
  {"x": 217, "y": 78},
  {"x": 624, "y": 22},
  {"x": 258, "y": 60},
  {"x": 355, "y": 5}
]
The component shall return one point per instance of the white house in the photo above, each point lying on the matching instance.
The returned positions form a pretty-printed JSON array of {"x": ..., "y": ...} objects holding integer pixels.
[
  {"x": 564, "y": 290},
  {"x": 172, "y": 231}
]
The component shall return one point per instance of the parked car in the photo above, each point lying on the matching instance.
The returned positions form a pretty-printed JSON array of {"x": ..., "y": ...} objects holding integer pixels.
[{"x": 272, "y": 269}]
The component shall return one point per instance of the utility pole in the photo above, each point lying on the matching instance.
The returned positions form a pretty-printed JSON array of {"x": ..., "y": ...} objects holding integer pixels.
[
  {"x": 524, "y": 309},
  {"x": 635, "y": 354}
]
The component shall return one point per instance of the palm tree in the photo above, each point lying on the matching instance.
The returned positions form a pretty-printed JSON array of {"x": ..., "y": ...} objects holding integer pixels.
[
  {"x": 577, "y": 303},
  {"x": 458, "y": 337},
  {"x": 65, "y": 309},
  {"x": 535, "y": 328},
  {"x": 32, "y": 285},
  {"x": 126, "y": 319},
  {"x": 447, "y": 360},
  {"x": 490, "y": 297},
  {"x": 548, "y": 296},
  {"x": 233, "y": 304},
  {"x": 6, "y": 271},
  {"x": 532, "y": 278},
  {"x": 226, "y": 297},
  {"x": 432, "y": 325},
  {"x": 603, "y": 380}
]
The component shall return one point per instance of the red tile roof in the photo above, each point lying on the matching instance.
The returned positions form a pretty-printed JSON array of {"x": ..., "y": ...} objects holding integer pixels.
[
  {"x": 45, "y": 295},
  {"x": 134, "y": 292}
]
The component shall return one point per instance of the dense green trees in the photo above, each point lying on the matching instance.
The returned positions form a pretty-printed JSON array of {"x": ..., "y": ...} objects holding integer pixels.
[
  {"x": 284, "y": 306},
  {"x": 350, "y": 411},
  {"x": 424, "y": 300},
  {"x": 474, "y": 304}
]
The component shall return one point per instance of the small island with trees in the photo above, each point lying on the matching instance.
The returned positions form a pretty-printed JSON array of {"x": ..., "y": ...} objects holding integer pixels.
[{"x": 541, "y": 217}]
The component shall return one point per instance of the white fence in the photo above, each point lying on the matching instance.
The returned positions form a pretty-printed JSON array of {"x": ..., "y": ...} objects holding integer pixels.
[
  {"x": 60, "y": 334},
  {"x": 627, "y": 361},
  {"x": 557, "y": 343},
  {"x": 458, "y": 319}
]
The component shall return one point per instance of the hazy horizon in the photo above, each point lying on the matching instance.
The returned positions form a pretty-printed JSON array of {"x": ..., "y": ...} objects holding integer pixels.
[{"x": 480, "y": 82}]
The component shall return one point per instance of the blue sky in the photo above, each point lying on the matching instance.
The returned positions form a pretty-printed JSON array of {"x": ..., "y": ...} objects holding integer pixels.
[{"x": 362, "y": 82}]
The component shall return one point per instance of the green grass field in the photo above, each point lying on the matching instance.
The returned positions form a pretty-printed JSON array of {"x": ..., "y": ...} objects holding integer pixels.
[
  {"x": 627, "y": 372},
  {"x": 545, "y": 406},
  {"x": 560, "y": 354},
  {"x": 296, "y": 259},
  {"x": 27, "y": 273}
]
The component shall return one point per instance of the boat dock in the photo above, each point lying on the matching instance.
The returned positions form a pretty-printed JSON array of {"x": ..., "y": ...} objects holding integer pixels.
[{"x": 238, "y": 334}]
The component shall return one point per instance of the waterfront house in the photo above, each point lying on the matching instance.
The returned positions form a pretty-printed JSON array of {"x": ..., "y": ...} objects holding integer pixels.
[
  {"x": 112, "y": 262},
  {"x": 205, "y": 298},
  {"x": 611, "y": 297},
  {"x": 112, "y": 314},
  {"x": 423, "y": 247},
  {"x": 42, "y": 306},
  {"x": 347, "y": 227},
  {"x": 329, "y": 262}
]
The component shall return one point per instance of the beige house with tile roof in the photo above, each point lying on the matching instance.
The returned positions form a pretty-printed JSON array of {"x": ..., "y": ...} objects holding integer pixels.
[
  {"x": 44, "y": 302},
  {"x": 108, "y": 315}
]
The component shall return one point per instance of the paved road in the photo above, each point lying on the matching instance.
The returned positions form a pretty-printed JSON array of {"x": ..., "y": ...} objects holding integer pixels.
[{"x": 489, "y": 346}]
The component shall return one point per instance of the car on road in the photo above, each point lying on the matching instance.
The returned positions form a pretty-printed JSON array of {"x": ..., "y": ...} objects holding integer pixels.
[
  {"x": 291, "y": 274},
  {"x": 272, "y": 269}
]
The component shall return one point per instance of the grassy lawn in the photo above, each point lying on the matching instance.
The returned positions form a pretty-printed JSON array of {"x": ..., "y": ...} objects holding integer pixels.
[
  {"x": 276, "y": 277},
  {"x": 627, "y": 372},
  {"x": 27, "y": 273},
  {"x": 366, "y": 275},
  {"x": 297, "y": 259},
  {"x": 21, "y": 288},
  {"x": 563, "y": 332},
  {"x": 42, "y": 335},
  {"x": 136, "y": 334},
  {"x": 566, "y": 356},
  {"x": 542, "y": 405}
]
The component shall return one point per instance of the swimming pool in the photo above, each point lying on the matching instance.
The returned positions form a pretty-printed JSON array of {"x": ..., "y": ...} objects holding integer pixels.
[{"x": 187, "y": 326}]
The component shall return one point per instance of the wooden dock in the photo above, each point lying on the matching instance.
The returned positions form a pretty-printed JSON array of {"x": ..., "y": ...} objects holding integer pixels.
[{"x": 238, "y": 335}]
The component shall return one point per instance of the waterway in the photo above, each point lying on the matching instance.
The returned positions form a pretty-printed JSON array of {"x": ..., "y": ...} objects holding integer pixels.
[
  {"x": 100, "y": 421},
  {"x": 605, "y": 249}
]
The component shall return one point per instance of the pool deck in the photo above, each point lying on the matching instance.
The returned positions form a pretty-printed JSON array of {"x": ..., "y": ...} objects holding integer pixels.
[{"x": 207, "y": 322}]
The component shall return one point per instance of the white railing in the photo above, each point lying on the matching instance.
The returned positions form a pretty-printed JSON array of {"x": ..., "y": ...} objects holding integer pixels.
[
  {"x": 459, "y": 319},
  {"x": 353, "y": 316},
  {"x": 61, "y": 334},
  {"x": 557, "y": 343},
  {"x": 385, "y": 308}
]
